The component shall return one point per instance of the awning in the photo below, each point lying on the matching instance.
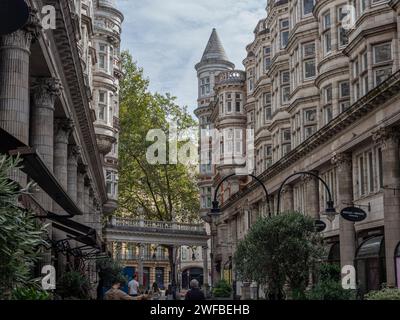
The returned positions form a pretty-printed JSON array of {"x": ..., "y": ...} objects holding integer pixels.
[
  {"x": 9, "y": 142},
  {"x": 76, "y": 230},
  {"x": 37, "y": 170},
  {"x": 371, "y": 248}
]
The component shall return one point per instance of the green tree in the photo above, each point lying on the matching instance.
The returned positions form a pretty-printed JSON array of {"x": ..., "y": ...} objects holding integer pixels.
[
  {"x": 164, "y": 191},
  {"x": 21, "y": 237},
  {"x": 277, "y": 251}
]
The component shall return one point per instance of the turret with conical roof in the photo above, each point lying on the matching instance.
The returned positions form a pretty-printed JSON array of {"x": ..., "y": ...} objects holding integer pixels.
[{"x": 213, "y": 61}]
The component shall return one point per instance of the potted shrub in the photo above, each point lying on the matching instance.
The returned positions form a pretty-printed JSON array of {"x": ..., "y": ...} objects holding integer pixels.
[
  {"x": 74, "y": 286},
  {"x": 222, "y": 290}
]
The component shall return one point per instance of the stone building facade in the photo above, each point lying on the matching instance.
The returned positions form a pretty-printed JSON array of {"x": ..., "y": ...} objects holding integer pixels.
[
  {"x": 59, "y": 98},
  {"x": 320, "y": 97}
]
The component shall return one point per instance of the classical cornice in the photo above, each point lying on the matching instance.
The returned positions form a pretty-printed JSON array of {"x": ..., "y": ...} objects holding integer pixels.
[
  {"x": 65, "y": 39},
  {"x": 373, "y": 100}
]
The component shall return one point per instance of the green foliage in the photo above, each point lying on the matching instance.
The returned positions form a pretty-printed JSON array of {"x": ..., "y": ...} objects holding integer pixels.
[
  {"x": 110, "y": 271},
  {"x": 330, "y": 290},
  {"x": 21, "y": 236},
  {"x": 279, "y": 250},
  {"x": 73, "y": 285},
  {"x": 384, "y": 294},
  {"x": 328, "y": 285},
  {"x": 164, "y": 191},
  {"x": 222, "y": 289},
  {"x": 30, "y": 293}
]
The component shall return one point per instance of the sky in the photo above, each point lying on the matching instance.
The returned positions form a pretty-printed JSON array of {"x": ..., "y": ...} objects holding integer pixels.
[{"x": 168, "y": 37}]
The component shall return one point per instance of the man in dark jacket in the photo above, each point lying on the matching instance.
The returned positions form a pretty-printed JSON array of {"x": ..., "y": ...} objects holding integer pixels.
[{"x": 194, "y": 293}]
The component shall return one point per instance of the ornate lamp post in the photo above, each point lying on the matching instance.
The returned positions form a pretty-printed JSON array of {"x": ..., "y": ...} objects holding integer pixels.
[
  {"x": 330, "y": 210},
  {"x": 216, "y": 210}
]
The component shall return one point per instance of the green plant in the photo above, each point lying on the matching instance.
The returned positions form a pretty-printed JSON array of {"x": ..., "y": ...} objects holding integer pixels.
[
  {"x": 21, "y": 236},
  {"x": 328, "y": 285},
  {"x": 30, "y": 293},
  {"x": 73, "y": 285},
  {"x": 384, "y": 294},
  {"x": 330, "y": 290},
  {"x": 277, "y": 251},
  {"x": 222, "y": 289}
]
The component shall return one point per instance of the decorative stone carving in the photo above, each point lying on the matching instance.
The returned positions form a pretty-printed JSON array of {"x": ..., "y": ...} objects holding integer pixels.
[
  {"x": 385, "y": 135},
  {"x": 45, "y": 91},
  {"x": 105, "y": 143},
  {"x": 23, "y": 37},
  {"x": 74, "y": 152},
  {"x": 63, "y": 129},
  {"x": 341, "y": 159}
]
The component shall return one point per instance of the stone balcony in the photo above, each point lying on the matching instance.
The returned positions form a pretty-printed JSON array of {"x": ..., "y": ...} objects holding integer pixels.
[
  {"x": 230, "y": 77},
  {"x": 155, "y": 232}
]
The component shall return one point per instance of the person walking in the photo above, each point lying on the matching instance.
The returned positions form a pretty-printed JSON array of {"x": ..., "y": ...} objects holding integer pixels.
[
  {"x": 133, "y": 286},
  {"x": 194, "y": 293},
  {"x": 156, "y": 293}
]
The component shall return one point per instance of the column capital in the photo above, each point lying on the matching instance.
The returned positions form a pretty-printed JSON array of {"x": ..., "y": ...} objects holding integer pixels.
[
  {"x": 74, "y": 152},
  {"x": 82, "y": 168},
  {"x": 45, "y": 91},
  {"x": 63, "y": 129},
  {"x": 342, "y": 159},
  {"x": 23, "y": 37},
  {"x": 386, "y": 135}
]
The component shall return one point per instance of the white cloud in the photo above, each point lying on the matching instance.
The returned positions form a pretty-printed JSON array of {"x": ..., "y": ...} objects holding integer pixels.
[{"x": 168, "y": 37}]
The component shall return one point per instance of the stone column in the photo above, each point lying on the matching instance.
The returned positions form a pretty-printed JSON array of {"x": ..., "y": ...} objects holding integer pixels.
[
  {"x": 14, "y": 83},
  {"x": 63, "y": 129},
  {"x": 86, "y": 200},
  {"x": 72, "y": 172},
  {"x": 312, "y": 194},
  {"x": 347, "y": 236},
  {"x": 205, "y": 268},
  {"x": 389, "y": 139},
  {"x": 44, "y": 93},
  {"x": 141, "y": 267},
  {"x": 80, "y": 194},
  {"x": 14, "y": 78},
  {"x": 288, "y": 200}
]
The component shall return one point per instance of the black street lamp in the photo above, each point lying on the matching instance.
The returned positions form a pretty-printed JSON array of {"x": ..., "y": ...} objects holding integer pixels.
[
  {"x": 330, "y": 210},
  {"x": 216, "y": 210}
]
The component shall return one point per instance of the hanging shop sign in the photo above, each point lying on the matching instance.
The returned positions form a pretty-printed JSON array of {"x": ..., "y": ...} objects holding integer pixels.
[
  {"x": 353, "y": 214},
  {"x": 13, "y": 15},
  {"x": 320, "y": 225}
]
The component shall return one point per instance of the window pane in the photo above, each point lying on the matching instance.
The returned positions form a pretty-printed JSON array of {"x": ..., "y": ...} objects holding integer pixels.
[
  {"x": 381, "y": 75},
  {"x": 382, "y": 52},
  {"x": 309, "y": 69},
  {"x": 308, "y": 6}
]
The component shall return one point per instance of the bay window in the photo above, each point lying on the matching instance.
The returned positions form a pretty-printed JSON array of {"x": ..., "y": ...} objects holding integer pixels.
[
  {"x": 309, "y": 60},
  {"x": 284, "y": 32},
  {"x": 382, "y": 62}
]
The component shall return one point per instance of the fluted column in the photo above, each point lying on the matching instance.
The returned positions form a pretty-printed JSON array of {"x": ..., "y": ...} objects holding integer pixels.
[
  {"x": 14, "y": 83},
  {"x": 14, "y": 79},
  {"x": 389, "y": 139},
  {"x": 141, "y": 268},
  {"x": 80, "y": 198},
  {"x": 72, "y": 172},
  {"x": 312, "y": 194},
  {"x": 44, "y": 93},
  {"x": 63, "y": 129},
  {"x": 347, "y": 236}
]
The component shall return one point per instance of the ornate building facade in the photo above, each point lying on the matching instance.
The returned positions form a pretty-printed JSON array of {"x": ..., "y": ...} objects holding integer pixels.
[
  {"x": 59, "y": 91},
  {"x": 319, "y": 97}
]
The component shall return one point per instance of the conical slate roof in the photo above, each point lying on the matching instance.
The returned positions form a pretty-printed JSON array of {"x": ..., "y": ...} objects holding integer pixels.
[{"x": 214, "y": 49}]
